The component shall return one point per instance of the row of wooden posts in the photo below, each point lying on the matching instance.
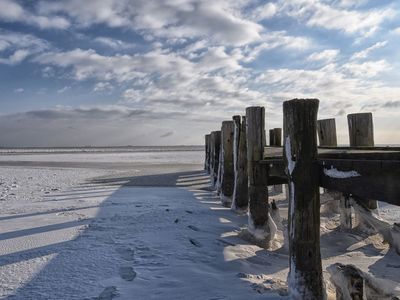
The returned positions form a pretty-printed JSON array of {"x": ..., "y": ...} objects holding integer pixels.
[{"x": 232, "y": 158}]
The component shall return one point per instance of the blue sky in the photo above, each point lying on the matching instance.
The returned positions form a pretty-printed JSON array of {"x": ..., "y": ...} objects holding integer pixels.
[{"x": 140, "y": 72}]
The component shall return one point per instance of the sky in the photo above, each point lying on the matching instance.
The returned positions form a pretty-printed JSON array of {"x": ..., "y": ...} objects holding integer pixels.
[{"x": 143, "y": 72}]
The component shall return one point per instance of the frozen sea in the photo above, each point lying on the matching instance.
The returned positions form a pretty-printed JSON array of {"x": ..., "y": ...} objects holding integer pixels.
[{"x": 143, "y": 223}]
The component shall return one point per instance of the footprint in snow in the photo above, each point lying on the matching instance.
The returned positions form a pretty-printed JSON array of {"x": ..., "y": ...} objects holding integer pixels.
[
  {"x": 195, "y": 243},
  {"x": 189, "y": 211},
  {"x": 108, "y": 293},
  {"x": 194, "y": 228},
  {"x": 127, "y": 273},
  {"x": 127, "y": 254}
]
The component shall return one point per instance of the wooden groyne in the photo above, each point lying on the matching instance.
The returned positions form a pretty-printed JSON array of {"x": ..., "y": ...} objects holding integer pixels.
[{"x": 360, "y": 175}]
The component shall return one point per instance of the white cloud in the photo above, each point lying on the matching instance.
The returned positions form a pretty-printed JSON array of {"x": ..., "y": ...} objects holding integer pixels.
[
  {"x": 364, "y": 53},
  {"x": 367, "y": 69},
  {"x": 265, "y": 11},
  {"x": 221, "y": 21},
  {"x": 114, "y": 43},
  {"x": 11, "y": 11},
  {"x": 19, "y": 46},
  {"x": 102, "y": 86},
  {"x": 273, "y": 40},
  {"x": 326, "y": 55},
  {"x": 63, "y": 90},
  {"x": 19, "y": 90},
  {"x": 318, "y": 13},
  {"x": 396, "y": 30}
]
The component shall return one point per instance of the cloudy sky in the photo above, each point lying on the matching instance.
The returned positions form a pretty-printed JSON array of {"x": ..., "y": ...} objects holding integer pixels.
[{"x": 147, "y": 72}]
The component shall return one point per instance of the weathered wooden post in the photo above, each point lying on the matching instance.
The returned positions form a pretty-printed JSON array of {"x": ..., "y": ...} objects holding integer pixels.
[
  {"x": 215, "y": 140},
  {"x": 361, "y": 134},
  {"x": 258, "y": 175},
  {"x": 327, "y": 133},
  {"x": 327, "y": 137},
  {"x": 271, "y": 137},
  {"x": 227, "y": 170},
  {"x": 207, "y": 153},
  {"x": 275, "y": 137},
  {"x": 300, "y": 155},
  {"x": 361, "y": 130},
  {"x": 275, "y": 140},
  {"x": 346, "y": 221},
  {"x": 240, "y": 199}
]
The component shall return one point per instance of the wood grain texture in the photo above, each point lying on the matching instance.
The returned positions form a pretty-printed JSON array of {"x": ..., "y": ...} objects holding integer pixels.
[
  {"x": 240, "y": 193},
  {"x": 300, "y": 149},
  {"x": 327, "y": 132},
  {"x": 257, "y": 173}
]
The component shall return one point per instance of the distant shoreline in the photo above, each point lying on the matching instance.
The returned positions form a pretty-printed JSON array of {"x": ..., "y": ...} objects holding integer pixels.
[{"x": 96, "y": 149}]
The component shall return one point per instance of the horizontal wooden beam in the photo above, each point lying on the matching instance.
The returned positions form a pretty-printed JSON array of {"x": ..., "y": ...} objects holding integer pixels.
[
  {"x": 369, "y": 179},
  {"x": 370, "y": 153}
]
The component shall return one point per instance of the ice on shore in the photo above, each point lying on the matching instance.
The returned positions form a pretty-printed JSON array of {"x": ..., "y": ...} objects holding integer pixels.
[{"x": 148, "y": 232}]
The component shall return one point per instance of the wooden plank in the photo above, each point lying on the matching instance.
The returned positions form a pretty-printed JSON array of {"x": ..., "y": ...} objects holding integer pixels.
[
  {"x": 376, "y": 179},
  {"x": 379, "y": 179},
  {"x": 377, "y": 153}
]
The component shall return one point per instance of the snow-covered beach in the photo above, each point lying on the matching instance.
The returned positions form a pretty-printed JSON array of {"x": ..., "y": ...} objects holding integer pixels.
[{"x": 146, "y": 225}]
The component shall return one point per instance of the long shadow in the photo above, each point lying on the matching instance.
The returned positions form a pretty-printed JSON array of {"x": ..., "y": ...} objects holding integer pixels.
[
  {"x": 77, "y": 197},
  {"x": 79, "y": 193},
  {"x": 337, "y": 242},
  {"x": 52, "y": 211},
  {"x": 42, "y": 229},
  {"x": 102, "y": 250}
]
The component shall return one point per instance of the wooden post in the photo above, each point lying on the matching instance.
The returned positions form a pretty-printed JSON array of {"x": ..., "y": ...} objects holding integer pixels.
[
  {"x": 271, "y": 137},
  {"x": 327, "y": 132},
  {"x": 227, "y": 170},
  {"x": 327, "y": 137},
  {"x": 361, "y": 133},
  {"x": 277, "y": 137},
  {"x": 207, "y": 153},
  {"x": 215, "y": 149},
  {"x": 361, "y": 130},
  {"x": 300, "y": 155},
  {"x": 240, "y": 199},
  {"x": 258, "y": 175},
  {"x": 345, "y": 213},
  {"x": 275, "y": 140}
]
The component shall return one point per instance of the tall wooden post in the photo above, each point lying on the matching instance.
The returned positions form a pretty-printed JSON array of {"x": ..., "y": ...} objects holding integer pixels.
[
  {"x": 327, "y": 133},
  {"x": 277, "y": 137},
  {"x": 258, "y": 174},
  {"x": 207, "y": 153},
  {"x": 227, "y": 170},
  {"x": 300, "y": 155},
  {"x": 240, "y": 199},
  {"x": 327, "y": 137},
  {"x": 361, "y": 130},
  {"x": 215, "y": 139},
  {"x": 361, "y": 134},
  {"x": 271, "y": 137}
]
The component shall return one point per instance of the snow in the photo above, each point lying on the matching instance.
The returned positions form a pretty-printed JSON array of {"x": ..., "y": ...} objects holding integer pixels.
[
  {"x": 142, "y": 230},
  {"x": 335, "y": 173}
]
